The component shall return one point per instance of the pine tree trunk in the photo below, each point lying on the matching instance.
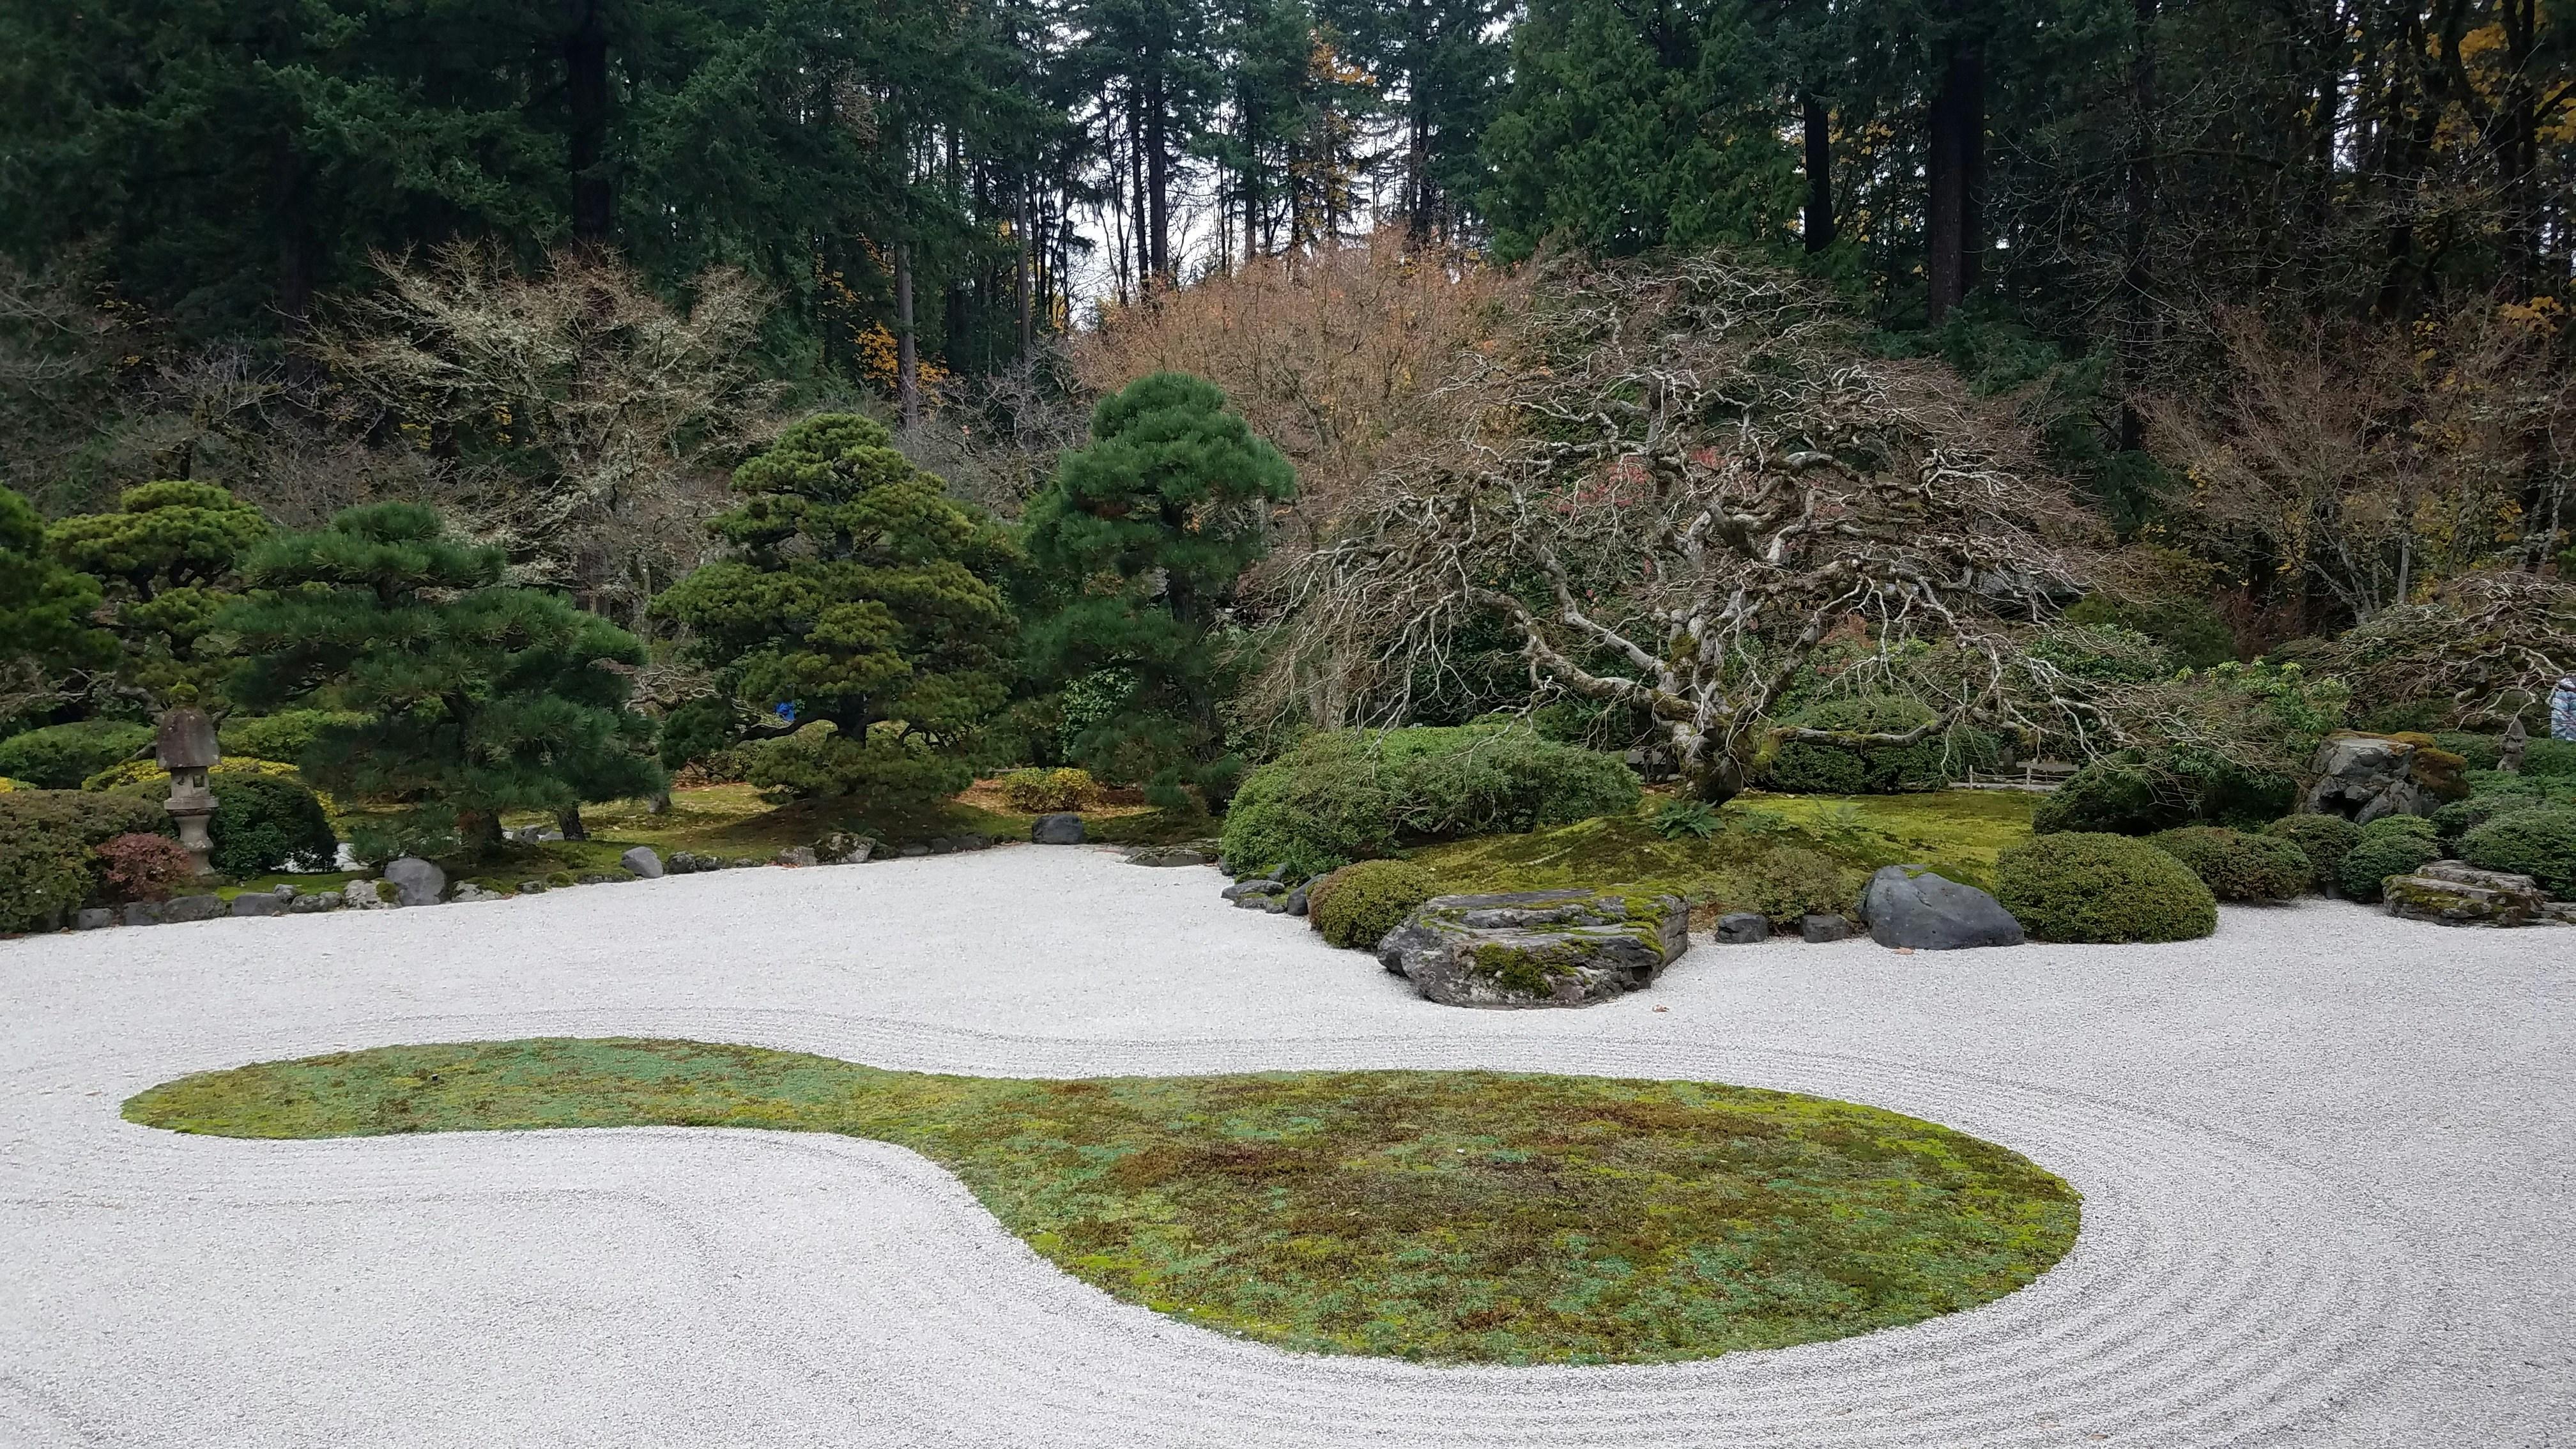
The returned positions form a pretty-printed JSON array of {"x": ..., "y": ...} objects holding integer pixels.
[
  {"x": 585, "y": 59},
  {"x": 1020, "y": 264},
  {"x": 907, "y": 384},
  {"x": 2137, "y": 309},
  {"x": 1819, "y": 221},
  {"x": 569, "y": 822},
  {"x": 1158, "y": 183},
  {"x": 1957, "y": 176}
]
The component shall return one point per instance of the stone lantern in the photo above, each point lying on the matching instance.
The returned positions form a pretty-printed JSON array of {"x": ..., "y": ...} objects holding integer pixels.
[
  {"x": 2516, "y": 741},
  {"x": 186, "y": 748}
]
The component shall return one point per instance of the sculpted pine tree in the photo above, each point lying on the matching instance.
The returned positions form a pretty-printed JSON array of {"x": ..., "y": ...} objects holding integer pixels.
[
  {"x": 45, "y": 609},
  {"x": 476, "y": 698},
  {"x": 1147, "y": 531},
  {"x": 861, "y": 599},
  {"x": 167, "y": 555}
]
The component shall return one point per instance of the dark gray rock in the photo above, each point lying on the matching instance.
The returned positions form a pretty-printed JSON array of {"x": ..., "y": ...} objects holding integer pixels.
[
  {"x": 1062, "y": 828},
  {"x": 257, "y": 903},
  {"x": 142, "y": 913},
  {"x": 642, "y": 863},
  {"x": 1293, "y": 903},
  {"x": 745, "y": 862},
  {"x": 1820, "y": 929},
  {"x": 2363, "y": 777},
  {"x": 416, "y": 882},
  {"x": 1907, "y": 905},
  {"x": 92, "y": 918},
  {"x": 2453, "y": 893},
  {"x": 469, "y": 893},
  {"x": 797, "y": 855},
  {"x": 313, "y": 903},
  {"x": 1742, "y": 928},
  {"x": 940, "y": 844},
  {"x": 914, "y": 850},
  {"x": 194, "y": 908},
  {"x": 1242, "y": 888},
  {"x": 1536, "y": 948},
  {"x": 1167, "y": 855},
  {"x": 601, "y": 877},
  {"x": 971, "y": 841},
  {"x": 1253, "y": 901},
  {"x": 367, "y": 895}
]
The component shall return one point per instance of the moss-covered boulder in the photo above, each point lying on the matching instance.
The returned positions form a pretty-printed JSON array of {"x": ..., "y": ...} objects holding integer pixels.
[
  {"x": 1536, "y": 948},
  {"x": 2450, "y": 893}
]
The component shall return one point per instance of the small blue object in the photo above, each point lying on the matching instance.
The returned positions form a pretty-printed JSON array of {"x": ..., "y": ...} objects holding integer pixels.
[
  {"x": 787, "y": 711},
  {"x": 2562, "y": 710}
]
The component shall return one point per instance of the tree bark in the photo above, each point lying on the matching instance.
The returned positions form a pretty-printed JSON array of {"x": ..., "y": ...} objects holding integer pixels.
[
  {"x": 1956, "y": 173},
  {"x": 1021, "y": 262},
  {"x": 569, "y": 822},
  {"x": 2137, "y": 309},
  {"x": 585, "y": 59},
  {"x": 907, "y": 378},
  {"x": 1158, "y": 180},
  {"x": 1819, "y": 220}
]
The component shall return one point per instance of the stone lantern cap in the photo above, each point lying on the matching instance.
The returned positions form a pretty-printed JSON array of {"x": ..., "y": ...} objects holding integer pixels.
[{"x": 186, "y": 741}]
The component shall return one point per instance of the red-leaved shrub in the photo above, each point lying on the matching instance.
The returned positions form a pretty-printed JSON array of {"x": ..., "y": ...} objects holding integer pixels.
[{"x": 142, "y": 867}]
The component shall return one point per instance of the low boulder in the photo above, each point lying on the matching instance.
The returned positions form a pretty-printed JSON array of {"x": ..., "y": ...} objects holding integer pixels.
[
  {"x": 1821, "y": 928},
  {"x": 367, "y": 895},
  {"x": 91, "y": 918},
  {"x": 2451, "y": 893},
  {"x": 1168, "y": 855},
  {"x": 2364, "y": 777},
  {"x": 258, "y": 903},
  {"x": 797, "y": 855},
  {"x": 141, "y": 913},
  {"x": 1242, "y": 888},
  {"x": 469, "y": 892},
  {"x": 313, "y": 903},
  {"x": 1742, "y": 928},
  {"x": 642, "y": 863},
  {"x": 1909, "y": 906},
  {"x": 844, "y": 847},
  {"x": 415, "y": 881},
  {"x": 1062, "y": 828},
  {"x": 194, "y": 908},
  {"x": 1536, "y": 948}
]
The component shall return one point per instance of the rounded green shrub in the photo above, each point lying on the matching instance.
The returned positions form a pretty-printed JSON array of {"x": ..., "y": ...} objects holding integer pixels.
[
  {"x": 59, "y": 757},
  {"x": 1041, "y": 792},
  {"x": 2476, "y": 752},
  {"x": 2087, "y": 886},
  {"x": 48, "y": 840},
  {"x": 2237, "y": 866},
  {"x": 2122, "y": 795},
  {"x": 2376, "y": 857},
  {"x": 2462, "y": 816},
  {"x": 2550, "y": 759},
  {"x": 262, "y": 822},
  {"x": 2324, "y": 839},
  {"x": 283, "y": 736},
  {"x": 2413, "y": 827},
  {"x": 1353, "y": 795},
  {"x": 2537, "y": 843},
  {"x": 1818, "y": 767},
  {"x": 1792, "y": 881},
  {"x": 1362, "y": 902}
]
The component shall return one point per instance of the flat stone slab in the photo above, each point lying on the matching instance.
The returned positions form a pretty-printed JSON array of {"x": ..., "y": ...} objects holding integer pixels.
[
  {"x": 2454, "y": 893},
  {"x": 1536, "y": 948}
]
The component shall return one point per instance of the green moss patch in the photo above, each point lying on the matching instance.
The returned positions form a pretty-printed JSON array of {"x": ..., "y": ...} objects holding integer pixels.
[{"x": 1474, "y": 1217}]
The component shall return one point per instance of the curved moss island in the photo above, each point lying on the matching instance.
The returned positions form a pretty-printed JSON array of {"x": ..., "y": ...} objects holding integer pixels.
[{"x": 1456, "y": 1217}]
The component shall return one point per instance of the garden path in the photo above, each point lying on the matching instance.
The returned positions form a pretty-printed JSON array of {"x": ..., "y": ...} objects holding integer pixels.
[{"x": 2324, "y": 1157}]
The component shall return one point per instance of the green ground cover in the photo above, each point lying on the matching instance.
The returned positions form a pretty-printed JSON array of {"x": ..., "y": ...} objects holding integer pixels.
[
  {"x": 1958, "y": 833},
  {"x": 1445, "y": 1216}
]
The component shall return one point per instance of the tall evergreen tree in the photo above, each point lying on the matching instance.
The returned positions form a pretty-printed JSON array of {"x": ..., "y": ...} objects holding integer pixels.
[{"x": 1146, "y": 532}]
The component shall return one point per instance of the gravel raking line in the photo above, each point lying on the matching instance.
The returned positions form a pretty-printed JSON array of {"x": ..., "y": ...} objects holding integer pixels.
[{"x": 667, "y": 1286}]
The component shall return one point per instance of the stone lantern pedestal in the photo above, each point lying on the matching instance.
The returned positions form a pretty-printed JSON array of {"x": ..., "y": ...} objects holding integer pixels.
[{"x": 185, "y": 746}]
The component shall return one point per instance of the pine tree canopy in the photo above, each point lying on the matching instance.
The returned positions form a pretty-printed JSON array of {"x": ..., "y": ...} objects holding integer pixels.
[
  {"x": 45, "y": 608},
  {"x": 1145, "y": 532},
  {"x": 479, "y": 698},
  {"x": 162, "y": 535}
]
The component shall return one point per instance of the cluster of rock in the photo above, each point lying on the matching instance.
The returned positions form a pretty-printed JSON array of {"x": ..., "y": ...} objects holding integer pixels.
[
  {"x": 1277, "y": 897},
  {"x": 2455, "y": 893},
  {"x": 2365, "y": 777},
  {"x": 1747, "y": 928},
  {"x": 1536, "y": 948},
  {"x": 1188, "y": 852}
]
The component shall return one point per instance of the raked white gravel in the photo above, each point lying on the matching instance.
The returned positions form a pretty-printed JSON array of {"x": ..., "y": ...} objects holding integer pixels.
[{"x": 2326, "y": 1159}]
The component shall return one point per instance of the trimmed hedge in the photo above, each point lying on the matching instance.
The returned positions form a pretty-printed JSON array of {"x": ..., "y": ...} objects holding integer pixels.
[
  {"x": 2376, "y": 857},
  {"x": 2121, "y": 795},
  {"x": 2462, "y": 816},
  {"x": 1813, "y": 767},
  {"x": 1356, "y": 794},
  {"x": 263, "y": 821},
  {"x": 2537, "y": 843},
  {"x": 2324, "y": 839},
  {"x": 48, "y": 840},
  {"x": 1791, "y": 882},
  {"x": 1041, "y": 792},
  {"x": 1360, "y": 903},
  {"x": 2239, "y": 867},
  {"x": 59, "y": 757},
  {"x": 2087, "y": 886}
]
